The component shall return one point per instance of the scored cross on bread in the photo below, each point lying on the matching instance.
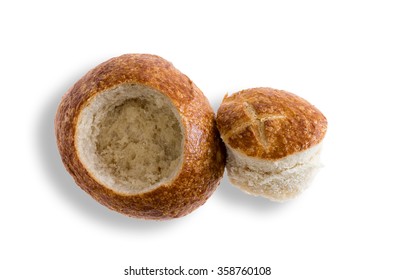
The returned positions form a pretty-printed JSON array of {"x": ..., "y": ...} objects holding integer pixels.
[{"x": 257, "y": 123}]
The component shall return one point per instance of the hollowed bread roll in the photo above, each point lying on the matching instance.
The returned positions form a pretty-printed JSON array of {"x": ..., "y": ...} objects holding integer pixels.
[
  {"x": 273, "y": 139},
  {"x": 140, "y": 138}
]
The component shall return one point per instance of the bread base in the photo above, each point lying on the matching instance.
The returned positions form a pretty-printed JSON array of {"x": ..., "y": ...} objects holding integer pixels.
[{"x": 82, "y": 124}]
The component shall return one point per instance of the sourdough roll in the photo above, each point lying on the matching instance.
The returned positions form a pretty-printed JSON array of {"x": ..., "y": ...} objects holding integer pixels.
[
  {"x": 140, "y": 138},
  {"x": 273, "y": 139}
]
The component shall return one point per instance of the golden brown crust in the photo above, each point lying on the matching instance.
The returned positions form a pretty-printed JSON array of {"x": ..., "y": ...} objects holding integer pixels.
[
  {"x": 203, "y": 162},
  {"x": 269, "y": 124}
]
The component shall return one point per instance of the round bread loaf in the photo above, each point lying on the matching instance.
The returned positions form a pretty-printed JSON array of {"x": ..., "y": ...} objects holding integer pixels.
[
  {"x": 140, "y": 138},
  {"x": 273, "y": 139}
]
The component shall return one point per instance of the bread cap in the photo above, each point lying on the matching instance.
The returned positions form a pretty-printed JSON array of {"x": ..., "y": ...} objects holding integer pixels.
[
  {"x": 273, "y": 139},
  {"x": 269, "y": 124},
  {"x": 200, "y": 164}
]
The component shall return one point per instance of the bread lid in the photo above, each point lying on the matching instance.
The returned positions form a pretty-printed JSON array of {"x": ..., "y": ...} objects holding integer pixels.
[{"x": 269, "y": 124}]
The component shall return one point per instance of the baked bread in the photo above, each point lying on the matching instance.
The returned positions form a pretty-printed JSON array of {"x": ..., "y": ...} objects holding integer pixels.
[
  {"x": 273, "y": 140},
  {"x": 140, "y": 138}
]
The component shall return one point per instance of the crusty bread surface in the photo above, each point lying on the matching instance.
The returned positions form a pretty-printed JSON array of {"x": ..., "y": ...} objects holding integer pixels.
[
  {"x": 140, "y": 138},
  {"x": 273, "y": 139}
]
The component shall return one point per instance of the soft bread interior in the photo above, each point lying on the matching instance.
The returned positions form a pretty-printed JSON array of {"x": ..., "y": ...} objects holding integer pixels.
[
  {"x": 130, "y": 139},
  {"x": 277, "y": 180}
]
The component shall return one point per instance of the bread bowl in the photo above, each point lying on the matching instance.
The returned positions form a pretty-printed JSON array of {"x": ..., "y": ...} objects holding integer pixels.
[
  {"x": 140, "y": 138},
  {"x": 273, "y": 140}
]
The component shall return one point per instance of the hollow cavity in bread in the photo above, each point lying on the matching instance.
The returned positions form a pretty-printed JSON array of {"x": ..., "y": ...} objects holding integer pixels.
[
  {"x": 277, "y": 180},
  {"x": 130, "y": 138}
]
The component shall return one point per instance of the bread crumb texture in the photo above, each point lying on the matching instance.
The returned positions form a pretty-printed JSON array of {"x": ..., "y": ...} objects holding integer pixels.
[
  {"x": 278, "y": 180},
  {"x": 130, "y": 138}
]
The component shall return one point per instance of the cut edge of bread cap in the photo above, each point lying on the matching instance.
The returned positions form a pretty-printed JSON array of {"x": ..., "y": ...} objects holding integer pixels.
[{"x": 278, "y": 180}]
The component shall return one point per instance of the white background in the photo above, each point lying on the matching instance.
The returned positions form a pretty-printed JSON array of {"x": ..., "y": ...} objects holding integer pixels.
[{"x": 339, "y": 55}]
